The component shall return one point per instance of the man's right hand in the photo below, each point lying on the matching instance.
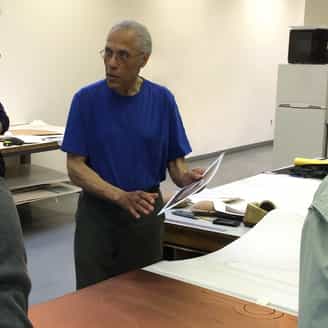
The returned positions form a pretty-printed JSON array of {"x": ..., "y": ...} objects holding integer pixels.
[{"x": 137, "y": 202}]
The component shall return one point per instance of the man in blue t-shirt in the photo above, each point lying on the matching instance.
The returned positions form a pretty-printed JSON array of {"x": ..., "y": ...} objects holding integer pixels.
[{"x": 122, "y": 134}]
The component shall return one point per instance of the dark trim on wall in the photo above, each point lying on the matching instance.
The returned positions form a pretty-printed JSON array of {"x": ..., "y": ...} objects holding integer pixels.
[{"x": 230, "y": 150}]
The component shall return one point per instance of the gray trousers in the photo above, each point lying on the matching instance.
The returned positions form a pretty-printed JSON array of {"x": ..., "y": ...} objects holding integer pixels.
[
  {"x": 14, "y": 281},
  {"x": 109, "y": 241}
]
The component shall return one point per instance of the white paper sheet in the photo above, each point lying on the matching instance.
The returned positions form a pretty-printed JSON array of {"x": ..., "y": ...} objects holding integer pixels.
[
  {"x": 38, "y": 125},
  {"x": 184, "y": 193},
  {"x": 262, "y": 266},
  {"x": 36, "y": 139},
  {"x": 286, "y": 192}
]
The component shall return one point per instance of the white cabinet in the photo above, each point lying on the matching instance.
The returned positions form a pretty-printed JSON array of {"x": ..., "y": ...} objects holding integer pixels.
[{"x": 301, "y": 113}]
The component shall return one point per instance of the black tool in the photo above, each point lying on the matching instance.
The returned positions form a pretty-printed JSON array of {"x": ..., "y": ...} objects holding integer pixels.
[
  {"x": 184, "y": 213},
  {"x": 218, "y": 214},
  {"x": 12, "y": 141},
  {"x": 227, "y": 222}
]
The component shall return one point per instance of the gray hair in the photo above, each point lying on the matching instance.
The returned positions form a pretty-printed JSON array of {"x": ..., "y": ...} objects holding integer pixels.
[{"x": 141, "y": 31}]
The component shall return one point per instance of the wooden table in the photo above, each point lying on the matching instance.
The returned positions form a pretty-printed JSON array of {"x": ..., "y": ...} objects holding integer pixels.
[
  {"x": 185, "y": 242},
  {"x": 24, "y": 151},
  {"x": 28, "y": 182},
  {"x": 186, "y": 238},
  {"x": 143, "y": 299}
]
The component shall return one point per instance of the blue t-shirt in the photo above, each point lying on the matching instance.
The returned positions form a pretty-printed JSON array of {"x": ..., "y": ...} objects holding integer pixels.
[{"x": 127, "y": 140}]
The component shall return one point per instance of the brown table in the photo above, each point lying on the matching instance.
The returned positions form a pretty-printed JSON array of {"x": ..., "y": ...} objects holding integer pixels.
[
  {"x": 29, "y": 182},
  {"x": 24, "y": 151},
  {"x": 143, "y": 299},
  {"x": 182, "y": 242}
]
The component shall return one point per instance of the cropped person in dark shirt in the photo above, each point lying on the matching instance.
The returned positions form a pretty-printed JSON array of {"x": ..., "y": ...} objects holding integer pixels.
[
  {"x": 4, "y": 126},
  {"x": 15, "y": 284}
]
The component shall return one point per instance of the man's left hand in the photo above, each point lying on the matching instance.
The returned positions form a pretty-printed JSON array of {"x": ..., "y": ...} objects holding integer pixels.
[{"x": 192, "y": 176}]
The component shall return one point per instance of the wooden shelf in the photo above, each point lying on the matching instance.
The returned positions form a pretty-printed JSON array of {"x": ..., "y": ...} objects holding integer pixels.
[
  {"x": 30, "y": 183},
  {"x": 26, "y": 176},
  {"x": 29, "y": 195}
]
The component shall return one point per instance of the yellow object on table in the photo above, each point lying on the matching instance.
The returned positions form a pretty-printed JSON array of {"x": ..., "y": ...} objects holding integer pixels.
[
  {"x": 256, "y": 211},
  {"x": 299, "y": 161}
]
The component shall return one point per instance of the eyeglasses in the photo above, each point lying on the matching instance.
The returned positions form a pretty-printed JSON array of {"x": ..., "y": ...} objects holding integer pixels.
[{"x": 122, "y": 56}]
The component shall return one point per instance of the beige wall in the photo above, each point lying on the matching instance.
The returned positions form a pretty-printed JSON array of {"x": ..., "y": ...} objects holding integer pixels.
[
  {"x": 316, "y": 12},
  {"x": 218, "y": 57}
]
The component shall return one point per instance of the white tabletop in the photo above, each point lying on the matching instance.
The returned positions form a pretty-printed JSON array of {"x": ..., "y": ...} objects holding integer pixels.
[
  {"x": 263, "y": 265},
  {"x": 205, "y": 225}
]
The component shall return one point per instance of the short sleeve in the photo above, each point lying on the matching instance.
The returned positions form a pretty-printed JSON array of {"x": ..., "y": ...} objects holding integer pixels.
[
  {"x": 4, "y": 119},
  {"x": 178, "y": 142},
  {"x": 75, "y": 137}
]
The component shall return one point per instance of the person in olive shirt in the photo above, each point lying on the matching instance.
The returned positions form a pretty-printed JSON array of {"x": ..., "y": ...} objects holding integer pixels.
[
  {"x": 313, "y": 278},
  {"x": 15, "y": 284}
]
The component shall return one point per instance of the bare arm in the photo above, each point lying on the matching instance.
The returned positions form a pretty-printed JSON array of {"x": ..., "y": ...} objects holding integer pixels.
[
  {"x": 180, "y": 173},
  {"x": 136, "y": 202}
]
